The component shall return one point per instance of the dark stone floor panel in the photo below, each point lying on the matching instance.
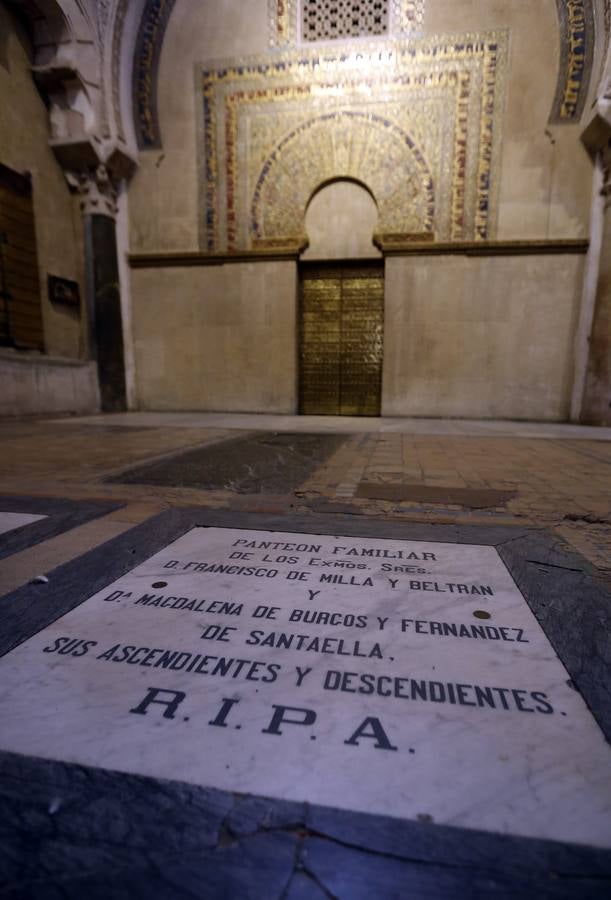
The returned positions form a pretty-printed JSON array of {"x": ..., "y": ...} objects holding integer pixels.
[
  {"x": 69, "y": 832},
  {"x": 265, "y": 462}
]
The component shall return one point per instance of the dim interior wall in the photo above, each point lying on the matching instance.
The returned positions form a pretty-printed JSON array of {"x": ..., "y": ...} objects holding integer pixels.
[
  {"x": 489, "y": 336},
  {"x": 216, "y": 338},
  {"x": 163, "y": 195},
  {"x": 480, "y": 337},
  {"x": 33, "y": 384},
  {"x": 24, "y": 147},
  {"x": 543, "y": 174}
]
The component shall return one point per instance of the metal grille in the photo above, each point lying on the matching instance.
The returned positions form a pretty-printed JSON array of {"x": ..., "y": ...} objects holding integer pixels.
[
  {"x": 325, "y": 20},
  {"x": 342, "y": 320}
]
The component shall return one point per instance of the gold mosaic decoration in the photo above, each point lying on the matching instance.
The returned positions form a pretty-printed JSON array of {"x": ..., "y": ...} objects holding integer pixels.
[
  {"x": 577, "y": 36},
  {"x": 418, "y": 123}
]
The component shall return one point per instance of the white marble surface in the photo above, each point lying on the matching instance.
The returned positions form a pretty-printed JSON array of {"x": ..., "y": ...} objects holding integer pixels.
[
  {"x": 543, "y": 770},
  {"x": 11, "y": 520}
]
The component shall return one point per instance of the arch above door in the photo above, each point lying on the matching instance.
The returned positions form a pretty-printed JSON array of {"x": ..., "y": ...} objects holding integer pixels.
[
  {"x": 342, "y": 144},
  {"x": 340, "y": 222}
]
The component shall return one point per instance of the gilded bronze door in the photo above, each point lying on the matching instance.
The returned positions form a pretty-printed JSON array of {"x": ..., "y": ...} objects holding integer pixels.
[{"x": 341, "y": 334}]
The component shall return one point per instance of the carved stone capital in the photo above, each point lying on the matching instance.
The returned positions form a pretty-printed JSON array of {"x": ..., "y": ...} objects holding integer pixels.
[{"x": 97, "y": 190}]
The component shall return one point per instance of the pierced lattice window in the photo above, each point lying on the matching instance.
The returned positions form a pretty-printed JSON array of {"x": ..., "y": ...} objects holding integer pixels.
[{"x": 327, "y": 20}]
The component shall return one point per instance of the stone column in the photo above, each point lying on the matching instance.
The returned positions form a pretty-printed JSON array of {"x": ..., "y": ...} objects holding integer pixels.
[
  {"x": 98, "y": 205},
  {"x": 596, "y": 402},
  {"x": 591, "y": 400}
]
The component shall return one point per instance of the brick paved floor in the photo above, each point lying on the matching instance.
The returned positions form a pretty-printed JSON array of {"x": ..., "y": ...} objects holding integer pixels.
[{"x": 561, "y": 482}]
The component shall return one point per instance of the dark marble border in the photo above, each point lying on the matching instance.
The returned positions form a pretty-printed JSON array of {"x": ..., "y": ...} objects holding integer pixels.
[
  {"x": 61, "y": 516},
  {"x": 66, "y": 829}
]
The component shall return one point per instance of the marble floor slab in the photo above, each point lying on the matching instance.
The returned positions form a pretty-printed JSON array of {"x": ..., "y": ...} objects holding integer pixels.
[
  {"x": 9, "y": 521},
  {"x": 404, "y": 678}
]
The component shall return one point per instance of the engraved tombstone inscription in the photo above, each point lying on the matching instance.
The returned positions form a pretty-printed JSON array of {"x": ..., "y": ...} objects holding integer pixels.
[{"x": 403, "y": 678}]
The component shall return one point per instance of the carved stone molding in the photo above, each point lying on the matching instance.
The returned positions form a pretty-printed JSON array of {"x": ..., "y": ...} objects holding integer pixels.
[{"x": 415, "y": 245}]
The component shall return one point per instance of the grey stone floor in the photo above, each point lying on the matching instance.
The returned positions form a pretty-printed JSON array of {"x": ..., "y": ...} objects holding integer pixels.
[{"x": 346, "y": 424}]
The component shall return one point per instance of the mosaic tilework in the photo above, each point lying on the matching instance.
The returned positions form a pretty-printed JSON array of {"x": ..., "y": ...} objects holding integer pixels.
[
  {"x": 155, "y": 16},
  {"x": 404, "y": 193},
  {"x": 406, "y": 16},
  {"x": 288, "y": 20},
  {"x": 576, "y": 19},
  {"x": 418, "y": 123}
]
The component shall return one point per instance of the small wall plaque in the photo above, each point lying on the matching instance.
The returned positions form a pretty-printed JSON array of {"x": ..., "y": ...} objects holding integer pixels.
[{"x": 63, "y": 292}]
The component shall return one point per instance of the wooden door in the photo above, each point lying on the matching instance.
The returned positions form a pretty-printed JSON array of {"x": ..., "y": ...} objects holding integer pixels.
[{"x": 20, "y": 309}]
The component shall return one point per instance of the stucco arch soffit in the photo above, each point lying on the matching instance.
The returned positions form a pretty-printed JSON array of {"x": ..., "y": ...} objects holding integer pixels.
[
  {"x": 350, "y": 144},
  {"x": 340, "y": 221},
  {"x": 358, "y": 186},
  {"x": 274, "y": 127}
]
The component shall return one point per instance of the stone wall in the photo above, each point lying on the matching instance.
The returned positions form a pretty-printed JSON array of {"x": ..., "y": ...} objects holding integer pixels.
[
  {"x": 507, "y": 308},
  {"x": 24, "y": 147},
  {"x": 164, "y": 194},
  {"x": 217, "y": 337},
  {"x": 542, "y": 176},
  {"x": 33, "y": 384},
  {"x": 480, "y": 337}
]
